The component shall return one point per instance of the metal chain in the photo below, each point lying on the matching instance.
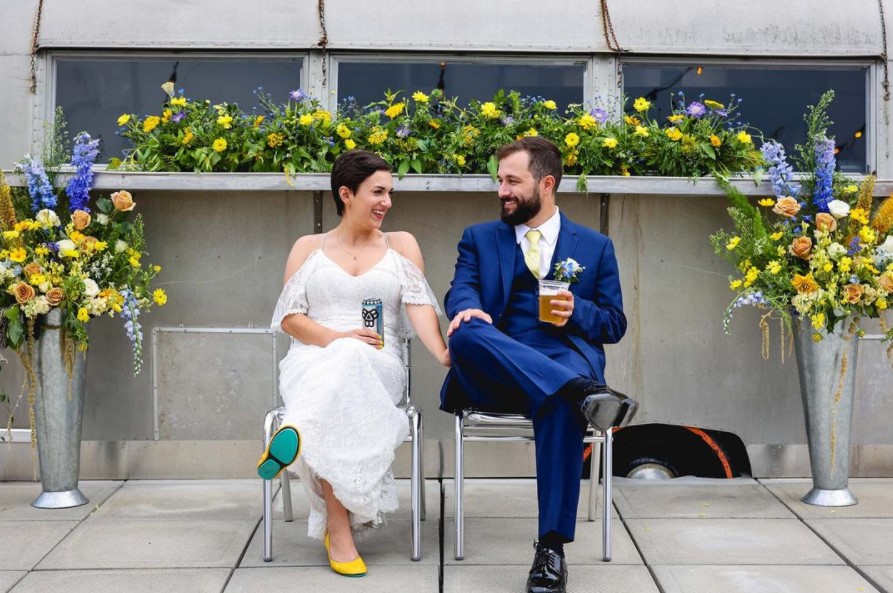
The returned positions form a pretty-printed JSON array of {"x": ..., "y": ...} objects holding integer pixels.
[
  {"x": 34, "y": 46},
  {"x": 324, "y": 39},
  {"x": 886, "y": 83},
  {"x": 608, "y": 29}
]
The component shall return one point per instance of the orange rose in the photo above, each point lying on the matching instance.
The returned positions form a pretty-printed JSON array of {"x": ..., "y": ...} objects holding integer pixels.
[
  {"x": 786, "y": 206},
  {"x": 825, "y": 222},
  {"x": 801, "y": 247},
  {"x": 80, "y": 219},
  {"x": 23, "y": 292},
  {"x": 123, "y": 201},
  {"x": 886, "y": 282},
  {"x": 55, "y": 296},
  {"x": 852, "y": 293},
  {"x": 31, "y": 269},
  {"x": 89, "y": 243}
]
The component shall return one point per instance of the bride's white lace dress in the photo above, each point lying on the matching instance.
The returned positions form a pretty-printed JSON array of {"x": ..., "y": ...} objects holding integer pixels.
[{"x": 343, "y": 398}]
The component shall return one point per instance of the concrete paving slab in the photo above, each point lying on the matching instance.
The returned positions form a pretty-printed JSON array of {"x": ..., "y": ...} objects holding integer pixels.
[
  {"x": 697, "y": 499},
  {"x": 510, "y": 498},
  {"x": 301, "y": 505},
  {"x": 148, "y": 543},
  {"x": 510, "y": 541},
  {"x": 185, "y": 499},
  {"x": 16, "y": 499},
  {"x": 727, "y": 541},
  {"x": 418, "y": 578},
  {"x": 387, "y": 546},
  {"x": 874, "y": 494},
  {"x": 8, "y": 578},
  {"x": 882, "y": 575},
  {"x": 27, "y": 542},
  {"x": 511, "y": 579},
  {"x": 751, "y": 579},
  {"x": 863, "y": 542},
  {"x": 186, "y": 580}
]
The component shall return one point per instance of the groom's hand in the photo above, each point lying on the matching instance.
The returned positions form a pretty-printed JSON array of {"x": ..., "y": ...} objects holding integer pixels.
[
  {"x": 563, "y": 308},
  {"x": 465, "y": 316}
]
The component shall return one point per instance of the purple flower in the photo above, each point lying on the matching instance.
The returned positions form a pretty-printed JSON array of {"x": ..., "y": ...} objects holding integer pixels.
[
  {"x": 130, "y": 312},
  {"x": 78, "y": 189},
  {"x": 508, "y": 120},
  {"x": 39, "y": 188},
  {"x": 824, "y": 173},
  {"x": 297, "y": 95},
  {"x": 402, "y": 132},
  {"x": 721, "y": 112},
  {"x": 178, "y": 116},
  {"x": 781, "y": 174},
  {"x": 600, "y": 115},
  {"x": 696, "y": 109}
]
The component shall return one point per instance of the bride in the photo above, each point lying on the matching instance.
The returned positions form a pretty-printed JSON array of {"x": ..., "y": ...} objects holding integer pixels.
[{"x": 341, "y": 380}]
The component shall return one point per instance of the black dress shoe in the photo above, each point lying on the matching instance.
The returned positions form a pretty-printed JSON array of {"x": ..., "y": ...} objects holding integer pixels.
[
  {"x": 605, "y": 408},
  {"x": 548, "y": 573}
]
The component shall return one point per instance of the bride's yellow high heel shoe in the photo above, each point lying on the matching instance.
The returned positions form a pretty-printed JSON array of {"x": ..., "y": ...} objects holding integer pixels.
[{"x": 354, "y": 568}]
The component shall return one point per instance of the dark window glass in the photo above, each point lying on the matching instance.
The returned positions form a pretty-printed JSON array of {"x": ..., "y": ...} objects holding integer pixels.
[
  {"x": 94, "y": 92},
  {"x": 774, "y": 99},
  {"x": 367, "y": 82}
]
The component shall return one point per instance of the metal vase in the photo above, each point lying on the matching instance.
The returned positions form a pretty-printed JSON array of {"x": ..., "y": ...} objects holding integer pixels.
[
  {"x": 58, "y": 418},
  {"x": 827, "y": 372}
]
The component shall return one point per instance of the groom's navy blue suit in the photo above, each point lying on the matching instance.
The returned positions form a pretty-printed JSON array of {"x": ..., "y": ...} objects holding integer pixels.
[{"x": 517, "y": 364}]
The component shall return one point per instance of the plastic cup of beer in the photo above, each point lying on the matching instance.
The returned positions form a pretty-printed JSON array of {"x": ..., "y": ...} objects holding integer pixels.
[{"x": 549, "y": 292}]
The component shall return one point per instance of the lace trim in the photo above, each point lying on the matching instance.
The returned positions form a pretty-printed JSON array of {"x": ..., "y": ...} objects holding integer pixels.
[
  {"x": 293, "y": 298},
  {"x": 414, "y": 290}
]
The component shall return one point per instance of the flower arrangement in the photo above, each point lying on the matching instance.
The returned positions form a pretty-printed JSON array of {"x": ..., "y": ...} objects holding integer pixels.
[
  {"x": 567, "y": 270},
  {"x": 819, "y": 249},
  {"x": 430, "y": 133}
]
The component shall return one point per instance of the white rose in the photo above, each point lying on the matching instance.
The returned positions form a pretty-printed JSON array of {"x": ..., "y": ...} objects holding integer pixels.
[
  {"x": 102, "y": 219},
  {"x": 836, "y": 250},
  {"x": 887, "y": 246},
  {"x": 67, "y": 248},
  {"x": 838, "y": 208},
  {"x": 91, "y": 289},
  {"x": 47, "y": 218},
  {"x": 120, "y": 246}
]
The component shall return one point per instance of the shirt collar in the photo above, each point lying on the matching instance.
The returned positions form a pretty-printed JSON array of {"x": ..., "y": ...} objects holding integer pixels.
[{"x": 549, "y": 230}]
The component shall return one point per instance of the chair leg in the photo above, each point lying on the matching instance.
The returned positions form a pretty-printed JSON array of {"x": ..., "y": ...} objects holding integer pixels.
[
  {"x": 460, "y": 478},
  {"x": 269, "y": 420},
  {"x": 422, "y": 497},
  {"x": 285, "y": 493},
  {"x": 595, "y": 458},
  {"x": 608, "y": 474},
  {"x": 415, "y": 486}
]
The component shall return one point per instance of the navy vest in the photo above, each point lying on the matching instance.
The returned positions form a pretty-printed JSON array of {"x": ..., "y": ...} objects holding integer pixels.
[{"x": 522, "y": 310}]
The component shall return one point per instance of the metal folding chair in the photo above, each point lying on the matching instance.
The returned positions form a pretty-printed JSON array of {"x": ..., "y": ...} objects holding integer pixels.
[
  {"x": 475, "y": 425},
  {"x": 273, "y": 420}
]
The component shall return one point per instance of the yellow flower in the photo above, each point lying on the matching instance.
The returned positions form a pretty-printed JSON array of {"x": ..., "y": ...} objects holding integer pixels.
[
  {"x": 156, "y": 268},
  {"x": 531, "y": 132},
  {"x": 733, "y": 243},
  {"x": 735, "y": 284},
  {"x": 122, "y": 120},
  {"x": 178, "y": 101},
  {"x": 219, "y": 145},
  {"x": 460, "y": 160},
  {"x": 166, "y": 115},
  {"x": 83, "y": 316},
  {"x": 188, "y": 136},
  {"x": 274, "y": 139},
  {"x": 828, "y": 267},
  {"x": 258, "y": 121},
  {"x": 751, "y": 276},
  {"x": 350, "y": 144},
  {"x": 18, "y": 255},
  {"x": 322, "y": 115},
  {"x": 715, "y": 141},
  {"x": 9, "y": 235},
  {"x": 641, "y": 131},
  {"x": 779, "y": 234},
  {"x": 226, "y": 121},
  {"x": 571, "y": 159},
  {"x": 641, "y": 104},
  {"x": 867, "y": 234},
  {"x": 768, "y": 203},
  {"x": 773, "y": 267},
  {"x": 41, "y": 250},
  {"x": 881, "y": 304},
  {"x": 744, "y": 138},
  {"x": 305, "y": 120},
  {"x": 76, "y": 236},
  {"x": 134, "y": 261},
  {"x": 151, "y": 123},
  {"x": 676, "y": 118},
  {"x": 434, "y": 124},
  {"x": 378, "y": 135},
  {"x": 631, "y": 120},
  {"x": 610, "y": 143},
  {"x": 624, "y": 170},
  {"x": 37, "y": 279},
  {"x": 844, "y": 264},
  {"x": 419, "y": 97},
  {"x": 673, "y": 134},
  {"x": 587, "y": 122},
  {"x": 859, "y": 215},
  {"x": 159, "y": 296},
  {"x": 550, "y": 104},
  {"x": 489, "y": 110},
  {"x": 818, "y": 320},
  {"x": 816, "y": 338},
  {"x": 804, "y": 284},
  {"x": 713, "y": 104},
  {"x": 572, "y": 140},
  {"x": 394, "y": 110},
  {"x": 851, "y": 189},
  {"x": 343, "y": 131}
]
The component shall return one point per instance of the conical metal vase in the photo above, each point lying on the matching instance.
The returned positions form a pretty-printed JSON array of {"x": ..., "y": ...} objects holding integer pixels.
[
  {"x": 58, "y": 417},
  {"x": 827, "y": 372}
]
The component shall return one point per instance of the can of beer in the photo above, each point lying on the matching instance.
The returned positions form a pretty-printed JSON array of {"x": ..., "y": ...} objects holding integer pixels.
[{"x": 372, "y": 317}]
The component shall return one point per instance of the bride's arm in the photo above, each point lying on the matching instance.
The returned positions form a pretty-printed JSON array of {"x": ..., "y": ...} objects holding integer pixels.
[{"x": 423, "y": 317}]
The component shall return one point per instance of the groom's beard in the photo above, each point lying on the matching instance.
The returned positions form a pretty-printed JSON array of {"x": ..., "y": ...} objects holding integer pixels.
[{"x": 525, "y": 209}]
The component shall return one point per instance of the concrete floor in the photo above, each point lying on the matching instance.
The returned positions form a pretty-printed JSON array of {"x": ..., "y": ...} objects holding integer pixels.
[{"x": 681, "y": 536}]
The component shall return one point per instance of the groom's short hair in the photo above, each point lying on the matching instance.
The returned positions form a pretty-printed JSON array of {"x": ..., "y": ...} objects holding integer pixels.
[
  {"x": 351, "y": 169},
  {"x": 543, "y": 156}
]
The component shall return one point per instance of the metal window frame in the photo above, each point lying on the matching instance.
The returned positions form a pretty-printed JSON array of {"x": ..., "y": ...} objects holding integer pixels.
[{"x": 871, "y": 81}]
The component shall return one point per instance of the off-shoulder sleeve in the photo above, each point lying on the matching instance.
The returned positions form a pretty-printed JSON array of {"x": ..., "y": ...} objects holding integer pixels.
[
  {"x": 294, "y": 294},
  {"x": 414, "y": 290}
]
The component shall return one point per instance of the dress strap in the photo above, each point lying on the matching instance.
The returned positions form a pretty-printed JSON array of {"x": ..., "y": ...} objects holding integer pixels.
[
  {"x": 323, "y": 244},
  {"x": 386, "y": 242}
]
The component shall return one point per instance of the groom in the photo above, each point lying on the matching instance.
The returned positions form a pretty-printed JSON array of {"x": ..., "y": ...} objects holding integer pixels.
[{"x": 505, "y": 360}]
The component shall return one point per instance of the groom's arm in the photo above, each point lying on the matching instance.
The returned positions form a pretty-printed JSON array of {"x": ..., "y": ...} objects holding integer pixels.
[
  {"x": 600, "y": 319},
  {"x": 465, "y": 289}
]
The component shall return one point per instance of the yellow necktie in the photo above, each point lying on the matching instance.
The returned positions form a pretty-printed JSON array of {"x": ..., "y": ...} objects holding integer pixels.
[{"x": 532, "y": 257}]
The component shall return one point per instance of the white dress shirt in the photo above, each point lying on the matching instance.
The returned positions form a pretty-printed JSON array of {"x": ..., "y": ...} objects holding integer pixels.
[{"x": 548, "y": 240}]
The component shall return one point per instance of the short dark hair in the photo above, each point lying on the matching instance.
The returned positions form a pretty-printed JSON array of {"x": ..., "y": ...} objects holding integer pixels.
[
  {"x": 543, "y": 156},
  {"x": 351, "y": 169}
]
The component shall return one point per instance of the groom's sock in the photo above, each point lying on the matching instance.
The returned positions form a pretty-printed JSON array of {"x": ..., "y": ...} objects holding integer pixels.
[
  {"x": 575, "y": 390},
  {"x": 554, "y": 541}
]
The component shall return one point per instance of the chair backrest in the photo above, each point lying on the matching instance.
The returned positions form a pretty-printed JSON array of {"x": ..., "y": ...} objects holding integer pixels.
[{"x": 407, "y": 364}]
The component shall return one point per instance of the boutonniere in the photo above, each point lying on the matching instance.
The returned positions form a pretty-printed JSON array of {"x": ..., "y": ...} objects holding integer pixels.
[{"x": 567, "y": 270}]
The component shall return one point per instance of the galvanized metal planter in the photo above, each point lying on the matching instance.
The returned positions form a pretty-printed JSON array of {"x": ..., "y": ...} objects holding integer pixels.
[
  {"x": 58, "y": 418},
  {"x": 827, "y": 372}
]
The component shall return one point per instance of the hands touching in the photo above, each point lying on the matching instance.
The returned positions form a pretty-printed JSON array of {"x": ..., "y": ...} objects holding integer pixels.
[{"x": 465, "y": 316}]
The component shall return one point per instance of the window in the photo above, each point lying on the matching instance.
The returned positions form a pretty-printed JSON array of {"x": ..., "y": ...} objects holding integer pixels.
[
  {"x": 367, "y": 81},
  {"x": 93, "y": 92},
  {"x": 774, "y": 98}
]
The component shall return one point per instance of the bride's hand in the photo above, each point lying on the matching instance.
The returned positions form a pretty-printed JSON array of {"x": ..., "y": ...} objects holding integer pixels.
[
  {"x": 444, "y": 358},
  {"x": 365, "y": 335}
]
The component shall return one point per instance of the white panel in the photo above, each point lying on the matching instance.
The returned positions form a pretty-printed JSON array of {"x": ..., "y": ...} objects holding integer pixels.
[
  {"x": 15, "y": 105},
  {"x": 17, "y": 17}
]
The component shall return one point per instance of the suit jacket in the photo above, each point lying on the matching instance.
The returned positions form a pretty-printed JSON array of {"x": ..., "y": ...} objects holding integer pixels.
[{"x": 485, "y": 269}]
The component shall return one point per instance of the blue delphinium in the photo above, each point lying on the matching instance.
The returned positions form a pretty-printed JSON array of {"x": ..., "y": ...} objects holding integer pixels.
[
  {"x": 824, "y": 173},
  {"x": 39, "y": 187},
  {"x": 130, "y": 312},
  {"x": 83, "y": 156},
  {"x": 781, "y": 174}
]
